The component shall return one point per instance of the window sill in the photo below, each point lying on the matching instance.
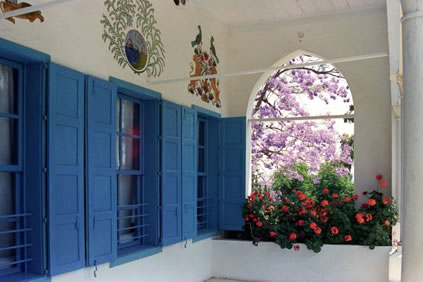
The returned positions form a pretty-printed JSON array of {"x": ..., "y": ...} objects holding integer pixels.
[
  {"x": 25, "y": 277},
  {"x": 205, "y": 234},
  {"x": 133, "y": 254}
]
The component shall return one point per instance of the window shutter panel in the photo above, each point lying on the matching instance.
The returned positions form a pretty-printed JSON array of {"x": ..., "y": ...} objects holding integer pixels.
[
  {"x": 189, "y": 173},
  {"x": 171, "y": 173},
  {"x": 66, "y": 250},
  {"x": 101, "y": 171},
  {"x": 232, "y": 165}
]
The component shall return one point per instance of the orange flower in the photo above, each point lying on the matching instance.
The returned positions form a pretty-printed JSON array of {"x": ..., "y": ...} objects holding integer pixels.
[
  {"x": 347, "y": 238},
  {"x": 259, "y": 223},
  {"x": 292, "y": 236},
  {"x": 383, "y": 183},
  {"x": 335, "y": 196},
  {"x": 355, "y": 197},
  {"x": 347, "y": 199},
  {"x": 272, "y": 234},
  {"x": 372, "y": 202},
  {"x": 285, "y": 208},
  {"x": 369, "y": 217},
  {"x": 334, "y": 230},
  {"x": 387, "y": 223},
  {"x": 317, "y": 230},
  {"x": 325, "y": 191},
  {"x": 313, "y": 225},
  {"x": 379, "y": 177},
  {"x": 324, "y": 203},
  {"x": 387, "y": 200},
  {"x": 313, "y": 213}
]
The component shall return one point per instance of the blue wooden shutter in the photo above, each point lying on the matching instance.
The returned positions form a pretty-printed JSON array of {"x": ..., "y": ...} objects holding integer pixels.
[
  {"x": 101, "y": 171},
  {"x": 232, "y": 165},
  {"x": 189, "y": 173},
  {"x": 171, "y": 173},
  {"x": 65, "y": 170}
]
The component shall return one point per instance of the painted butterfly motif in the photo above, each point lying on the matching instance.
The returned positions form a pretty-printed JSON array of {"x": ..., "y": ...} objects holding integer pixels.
[{"x": 179, "y": 1}]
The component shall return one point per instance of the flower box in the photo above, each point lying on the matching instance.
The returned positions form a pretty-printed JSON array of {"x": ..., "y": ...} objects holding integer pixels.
[{"x": 267, "y": 262}]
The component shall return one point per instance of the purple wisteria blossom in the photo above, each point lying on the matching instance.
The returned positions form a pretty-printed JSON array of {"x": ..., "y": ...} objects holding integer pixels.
[{"x": 278, "y": 145}]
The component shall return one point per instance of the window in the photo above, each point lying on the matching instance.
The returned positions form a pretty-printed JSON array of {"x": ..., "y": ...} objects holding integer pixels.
[
  {"x": 130, "y": 205},
  {"x": 137, "y": 172},
  {"x": 207, "y": 173},
  {"x": 13, "y": 229}
]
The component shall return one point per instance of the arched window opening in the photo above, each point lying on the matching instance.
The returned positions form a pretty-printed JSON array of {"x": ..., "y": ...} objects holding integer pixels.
[{"x": 302, "y": 125}]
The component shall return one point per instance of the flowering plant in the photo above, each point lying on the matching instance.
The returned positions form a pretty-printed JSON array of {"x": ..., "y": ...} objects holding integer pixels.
[{"x": 317, "y": 213}]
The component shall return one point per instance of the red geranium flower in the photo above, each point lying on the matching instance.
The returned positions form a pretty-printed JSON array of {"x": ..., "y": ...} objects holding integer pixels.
[
  {"x": 301, "y": 211},
  {"x": 271, "y": 208},
  {"x": 250, "y": 205},
  {"x": 387, "y": 200},
  {"x": 323, "y": 218},
  {"x": 347, "y": 238},
  {"x": 272, "y": 234},
  {"x": 313, "y": 225},
  {"x": 300, "y": 222},
  {"x": 246, "y": 218},
  {"x": 379, "y": 177},
  {"x": 259, "y": 223},
  {"x": 364, "y": 205},
  {"x": 359, "y": 218},
  {"x": 355, "y": 197},
  {"x": 324, "y": 203},
  {"x": 387, "y": 223},
  {"x": 285, "y": 208},
  {"x": 335, "y": 196},
  {"x": 372, "y": 202},
  {"x": 317, "y": 230},
  {"x": 302, "y": 196},
  {"x": 313, "y": 213},
  {"x": 292, "y": 236},
  {"x": 383, "y": 183},
  {"x": 369, "y": 217},
  {"x": 325, "y": 191},
  {"x": 334, "y": 230},
  {"x": 296, "y": 248},
  {"x": 254, "y": 219},
  {"x": 364, "y": 193},
  {"x": 347, "y": 199},
  {"x": 251, "y": 215},
  {"x": 270, "y": 199}
]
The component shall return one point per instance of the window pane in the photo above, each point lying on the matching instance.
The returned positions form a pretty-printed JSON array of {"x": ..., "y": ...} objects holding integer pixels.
[
  {"x": 117, "y": 152},
  {"x": 130, "y": 153},
  {"x": 127, "y": 197},
  {"x": 118, "y": 115},
  {"x": 201, "y": 160},
  {"x": 201, "y": 133},
  {"x": 130, "y": 117},
  {"x": 7, "y": 207},
  {"x": 8, "y": 90},
  {"x": 8, "y": 141}
]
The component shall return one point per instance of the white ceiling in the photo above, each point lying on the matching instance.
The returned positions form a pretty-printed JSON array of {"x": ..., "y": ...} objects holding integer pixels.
[{"x": 240, "y": 12}]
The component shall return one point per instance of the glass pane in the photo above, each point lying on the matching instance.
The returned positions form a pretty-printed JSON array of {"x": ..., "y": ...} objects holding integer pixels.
[
  {"x": 200, "y": 186},
  {"x": 130, "y": 117},
  {"x": 8, "y": 141},
  {"x": 8, "y": 89},
  {"x": 7, "y": 207},
  {"x": 117, "y": 152},
  {"x": 127, "y": 197},
  {"x": 201, "y": 160},
  {"x": 201, "y": 133},
  {"x": 118, "y": 115},
  {"x": 130, "y": 153}
]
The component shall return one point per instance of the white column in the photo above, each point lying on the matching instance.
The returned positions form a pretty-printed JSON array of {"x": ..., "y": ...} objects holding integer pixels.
[{"x": 412, "y": 141}]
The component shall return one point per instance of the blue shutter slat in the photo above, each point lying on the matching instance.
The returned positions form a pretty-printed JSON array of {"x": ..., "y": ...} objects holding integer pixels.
[
  {"x": 232, "y": 165},
  {"x": 189, "y": 173},
  {"x": 171, "y": 173},
  {"x": 65, "y": 170},
  {"x": 101, "y": 171}
]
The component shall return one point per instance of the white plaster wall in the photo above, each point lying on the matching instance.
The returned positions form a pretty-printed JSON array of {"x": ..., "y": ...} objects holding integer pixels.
[
  {"x": 242, "y": 260},
  {"x": 328, "y": 37},
  {"x": 174, "y": 264},
  {"x": 71, "y": 34}
]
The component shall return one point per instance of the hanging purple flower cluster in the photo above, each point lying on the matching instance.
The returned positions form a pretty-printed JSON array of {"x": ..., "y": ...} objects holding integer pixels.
[{"x": 279, "y": 145}]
